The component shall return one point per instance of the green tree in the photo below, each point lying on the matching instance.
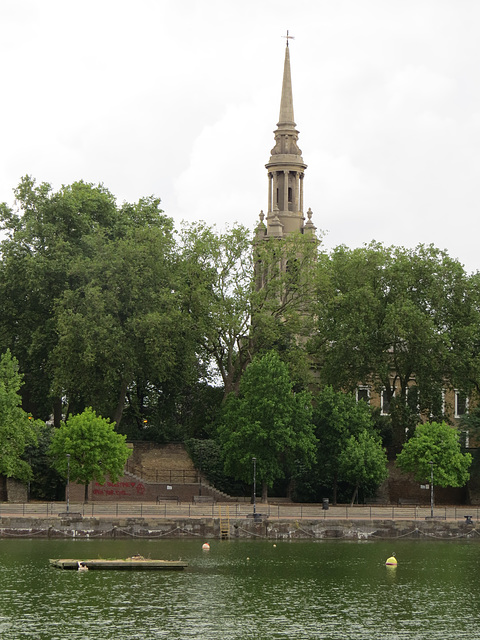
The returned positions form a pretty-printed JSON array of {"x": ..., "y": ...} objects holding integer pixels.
[
  {"x": 218, "y": 271},
  {"x": 46, "y": 483},
  {"x": 16, "y": 429},
  {"x": 337, "y": 417},
  {"x": 122, "y": 333},
  {"x": 466, "y": 340},
  {"x": 94, "y": 304},
  {"x": 392, "y": 318},
  {"x": 363, "y": 462},
  {"x": 469, "y": 426},
  {"x": 44, "y": 232},
  {"x": 438, "y": 443},
  {"x": 95, "y": 449},
  {"x": 208, "y": 458},
  {"x": 266, "y": 421},
  {"x": 249, "y": 302}
]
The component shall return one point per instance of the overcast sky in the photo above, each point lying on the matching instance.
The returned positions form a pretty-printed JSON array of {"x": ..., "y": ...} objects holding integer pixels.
[{"x": 180, "y": 99}]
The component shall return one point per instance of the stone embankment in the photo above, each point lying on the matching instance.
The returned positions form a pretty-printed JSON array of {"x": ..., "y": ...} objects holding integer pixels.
[{"x": 75, "y": 526}]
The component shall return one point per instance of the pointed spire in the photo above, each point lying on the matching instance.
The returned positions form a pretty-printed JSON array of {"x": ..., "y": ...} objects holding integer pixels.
[
  {"x": 286, "y": 104},
  {"x": 286, "y": 169}
]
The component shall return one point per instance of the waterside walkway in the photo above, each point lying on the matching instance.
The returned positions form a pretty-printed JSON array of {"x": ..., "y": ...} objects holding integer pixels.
[{"x": 236, "y": 511}]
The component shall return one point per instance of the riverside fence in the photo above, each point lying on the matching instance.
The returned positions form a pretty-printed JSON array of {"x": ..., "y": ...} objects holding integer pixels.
[{"x": 235, "y": 510}]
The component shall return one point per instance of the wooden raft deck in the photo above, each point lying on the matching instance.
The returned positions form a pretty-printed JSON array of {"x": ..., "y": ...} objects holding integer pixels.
[{"x": 128, "y": 563}]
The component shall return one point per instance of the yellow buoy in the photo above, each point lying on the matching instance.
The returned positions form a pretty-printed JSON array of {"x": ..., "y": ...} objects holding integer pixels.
[{"x": 392, "y": 561}]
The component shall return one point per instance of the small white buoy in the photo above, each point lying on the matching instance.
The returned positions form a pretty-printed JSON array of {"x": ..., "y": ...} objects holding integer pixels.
[
  {"x": 206, "y": 546},
  {"x": 274, "y": 546}
]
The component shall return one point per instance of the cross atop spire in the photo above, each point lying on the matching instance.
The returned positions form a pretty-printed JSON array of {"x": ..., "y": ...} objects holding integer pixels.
[{"x": 288, "y": 37}]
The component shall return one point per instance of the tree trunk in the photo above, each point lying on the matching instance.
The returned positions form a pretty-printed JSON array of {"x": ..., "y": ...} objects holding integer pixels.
[
  {"x": 86, "y": 492},
  {"x": 334, "y": 497},
  {"x": 264, "y": 493},
  {"x": 291, "y": 488},
  {"x": 117, "y": 416},
  {"x": 57, "y": 412},
  {"x": 355, "y": 494}
]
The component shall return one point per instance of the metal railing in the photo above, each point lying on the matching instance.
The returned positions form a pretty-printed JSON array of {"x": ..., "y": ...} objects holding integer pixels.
[
  {"x": 163, "y": 476},
  {"x": 237, "y": 510}
]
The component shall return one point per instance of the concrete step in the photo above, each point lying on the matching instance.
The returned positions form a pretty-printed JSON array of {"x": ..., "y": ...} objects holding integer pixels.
[{"x": 158, "y": 466}]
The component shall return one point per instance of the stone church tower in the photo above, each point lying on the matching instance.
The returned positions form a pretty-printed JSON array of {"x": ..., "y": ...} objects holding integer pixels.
[{"x": 286, "y": 171}]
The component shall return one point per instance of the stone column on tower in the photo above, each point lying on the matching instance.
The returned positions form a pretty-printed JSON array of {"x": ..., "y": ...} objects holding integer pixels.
[{"x": 285, "y": 168}]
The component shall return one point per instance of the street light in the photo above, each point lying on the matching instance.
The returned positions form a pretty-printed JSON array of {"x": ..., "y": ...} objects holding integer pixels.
[
  {"x": 254, "y": 486},
  {"x": 431, "y": 488},
  {"x": 68, "y": 482},
  {"x": 200, "y": 476}
]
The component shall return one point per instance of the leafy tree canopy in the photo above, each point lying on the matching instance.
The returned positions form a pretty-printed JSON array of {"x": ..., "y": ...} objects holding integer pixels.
[
  {"x": 363, "y": 462},
  {"x": 337, "y": 416},
  {"x": 438, "y": 443},
  {"x": 390, "y": 317},
  {"x": 249, "y": 302},
  {"x": 46, "y": 483},
  {"x": 470, "y": 425},
  {"x": 266, "y": 421},
  {"x": 93, "y": 302},
  {"x": 95, "y": 449},
  {"x": 17, "y": 430}
]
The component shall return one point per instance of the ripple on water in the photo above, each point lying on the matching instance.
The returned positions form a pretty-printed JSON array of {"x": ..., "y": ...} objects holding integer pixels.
[{"x": 302, "y": 591}]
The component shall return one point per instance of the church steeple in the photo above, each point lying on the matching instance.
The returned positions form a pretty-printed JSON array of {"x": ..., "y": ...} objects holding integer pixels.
[
  {"x": 286, "y": 169},
  {"x": 286, "y": 103}
]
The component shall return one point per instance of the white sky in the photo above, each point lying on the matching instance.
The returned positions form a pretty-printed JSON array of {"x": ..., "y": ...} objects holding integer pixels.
[{"x": 180, "y": 99}]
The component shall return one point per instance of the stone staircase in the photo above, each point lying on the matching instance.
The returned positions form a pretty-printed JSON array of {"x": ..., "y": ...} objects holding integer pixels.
[{"x": 159, "y": 473}]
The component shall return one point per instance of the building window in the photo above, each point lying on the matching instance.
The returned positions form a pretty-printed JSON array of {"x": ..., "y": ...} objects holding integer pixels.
[
  {"x": 290, "y": 194},
  {"x": 384, "y": 403},
  {"x": 413, "y": 399},
  {"x": 461, "y": 403},
  {"x": 438, "y": 405},
  {"x": 363, "y": 393},
  {"x": 465, "y": 439}
]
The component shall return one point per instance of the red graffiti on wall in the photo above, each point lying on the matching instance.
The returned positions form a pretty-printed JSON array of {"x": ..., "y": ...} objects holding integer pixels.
[{"x": 121, "y": 488}]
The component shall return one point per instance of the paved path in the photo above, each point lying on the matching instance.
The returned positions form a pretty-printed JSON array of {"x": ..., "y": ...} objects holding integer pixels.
[{"x": 235, "y": 510}]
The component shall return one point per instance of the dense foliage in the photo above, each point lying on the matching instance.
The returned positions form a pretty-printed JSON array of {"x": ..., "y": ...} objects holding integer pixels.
[
  {"x": 87, "y": 448},
  {"x": 337, "y": 417},
  {"x": 209, "y": 337},
  {"x": 436, "y": 443},
  {"x": 16, "y": 429},
  {"x": 401, "y": 320},
  {"x": 363, "y": 462},
  {"x": 267, "y": 421}
]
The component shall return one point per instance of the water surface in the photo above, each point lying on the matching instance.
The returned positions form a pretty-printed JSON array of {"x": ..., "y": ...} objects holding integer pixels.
[{"x": 243, "y": 589}]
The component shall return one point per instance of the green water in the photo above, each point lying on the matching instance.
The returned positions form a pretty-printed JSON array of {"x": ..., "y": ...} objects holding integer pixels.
[{"x": 243, "y": 589}]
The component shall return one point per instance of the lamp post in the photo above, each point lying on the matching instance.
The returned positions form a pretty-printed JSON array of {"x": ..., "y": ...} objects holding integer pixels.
[
  {"x": 68, "y": 482},
  {"x": 431, "y": 488},
  {"x": 254, "y": 460}
]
